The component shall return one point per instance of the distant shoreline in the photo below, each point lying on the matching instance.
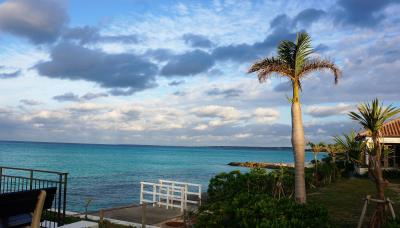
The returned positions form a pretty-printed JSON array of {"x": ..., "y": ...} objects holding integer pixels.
[{"x": 267, "y": 165}]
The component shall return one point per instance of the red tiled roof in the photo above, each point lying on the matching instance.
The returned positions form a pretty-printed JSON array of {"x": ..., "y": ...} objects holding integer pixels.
[{"x": 389, "y": 129}]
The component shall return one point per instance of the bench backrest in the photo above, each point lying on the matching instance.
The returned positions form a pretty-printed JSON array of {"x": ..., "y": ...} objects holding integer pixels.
[{"x": 15, "y": 203}]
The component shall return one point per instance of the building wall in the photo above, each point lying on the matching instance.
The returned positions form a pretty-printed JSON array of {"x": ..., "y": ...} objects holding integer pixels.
[{"x": 388, "y": 160}]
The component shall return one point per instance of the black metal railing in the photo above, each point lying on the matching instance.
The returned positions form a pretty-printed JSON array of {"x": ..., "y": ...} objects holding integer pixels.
[{"x": 20, "y": 179}]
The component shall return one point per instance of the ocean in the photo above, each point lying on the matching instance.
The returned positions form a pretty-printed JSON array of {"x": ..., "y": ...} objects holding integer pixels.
[{"x": 110, "y": 174}]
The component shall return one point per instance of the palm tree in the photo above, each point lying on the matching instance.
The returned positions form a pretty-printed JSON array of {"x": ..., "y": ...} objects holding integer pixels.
[
  {"x": 333, "y": 150},
  {"x": 294, "y": 63},
  {"x": 372, "y": 117},
  {"x": 352, "y": 148},
  {"x": 316, "y": 148}
]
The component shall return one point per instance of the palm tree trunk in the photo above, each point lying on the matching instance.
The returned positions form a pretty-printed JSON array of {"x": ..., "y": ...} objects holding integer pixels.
[
  {"x": 298, "y": 146},
  {"x": 380, "y": 183},
  {"x": 379, "y": 180}
]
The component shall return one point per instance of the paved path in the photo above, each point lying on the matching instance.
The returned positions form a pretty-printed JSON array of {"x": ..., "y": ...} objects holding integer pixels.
[{"x": 154, "y": 215}]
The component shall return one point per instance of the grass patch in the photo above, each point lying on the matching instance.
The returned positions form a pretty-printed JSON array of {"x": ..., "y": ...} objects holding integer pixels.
[{"x": 345, "y": 199}]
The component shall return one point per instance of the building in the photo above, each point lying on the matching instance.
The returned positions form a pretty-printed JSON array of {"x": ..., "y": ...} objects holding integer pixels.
[{"x": 390, "y": 140}]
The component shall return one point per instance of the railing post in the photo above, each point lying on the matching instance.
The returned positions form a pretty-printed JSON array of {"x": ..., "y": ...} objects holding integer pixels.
[
  {"x": 65, "y": 197},
  {"x": 101, "y": 215},
  {"x": 168, "y": 196},
  {"x": 59, "y": 223},
  {"x": 31, "y": 180},
  {"x": 154, "y": 194},
  {"x": 183, "y": 201},
  {"x": 141, "y": 192},
  {"x": 143, "y": 215},
  {"x": 1, "y": 178},
  {"x": 199, "y": 195}
]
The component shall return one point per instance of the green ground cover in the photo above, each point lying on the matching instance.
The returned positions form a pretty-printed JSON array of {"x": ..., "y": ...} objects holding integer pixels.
[{"x": 344, "y": 199}]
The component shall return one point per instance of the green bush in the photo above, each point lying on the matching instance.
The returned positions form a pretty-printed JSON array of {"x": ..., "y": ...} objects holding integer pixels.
[
  {"x": 261, "y": 210},
  {"x": 238, "y": 199},
  {"x": 257, "y": 181}
]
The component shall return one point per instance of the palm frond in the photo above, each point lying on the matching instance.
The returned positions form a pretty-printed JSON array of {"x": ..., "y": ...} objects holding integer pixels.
[
  {"x": 318, "y": 64},
  {"x": 354, "y": 149},
  {"x": 269, "y": 66},
  {"x": 302, "y": 51},
  {"x": 286, "y": 52},
  {"x": 371, "y": 116}
]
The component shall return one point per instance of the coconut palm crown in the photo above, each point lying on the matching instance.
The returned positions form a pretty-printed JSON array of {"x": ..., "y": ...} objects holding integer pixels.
[
  {"x": 372, "y": 116},
  {"x": 294, "y": 61}
]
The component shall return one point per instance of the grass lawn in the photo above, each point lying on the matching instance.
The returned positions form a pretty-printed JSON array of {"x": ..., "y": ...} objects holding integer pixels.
[{"x": 345, "y": 199}]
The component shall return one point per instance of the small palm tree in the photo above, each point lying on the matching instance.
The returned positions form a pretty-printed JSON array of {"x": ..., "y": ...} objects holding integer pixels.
[
  {"x": 352, "y": 148},
  {"x": 333, "y": 150},
  {"x": 372, "y": 117},
  {"x": 316, "y": 149},
  {"x": 294, "y": 62}
]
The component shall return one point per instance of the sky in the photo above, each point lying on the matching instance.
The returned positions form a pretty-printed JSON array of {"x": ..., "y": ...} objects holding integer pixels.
[{"x": 175, "y": 72}]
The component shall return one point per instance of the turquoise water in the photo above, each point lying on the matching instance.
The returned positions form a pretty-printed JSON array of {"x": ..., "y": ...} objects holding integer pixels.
[{"x": 111, "y": 174}]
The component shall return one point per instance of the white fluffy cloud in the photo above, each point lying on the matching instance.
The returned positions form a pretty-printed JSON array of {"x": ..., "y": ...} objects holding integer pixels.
[
  {"x": 266, "y": 115},
  {"x": 319, "y": 111}
]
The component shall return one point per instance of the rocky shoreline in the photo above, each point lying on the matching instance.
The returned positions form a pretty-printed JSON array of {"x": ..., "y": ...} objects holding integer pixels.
[{"x": 267, "y": 165}]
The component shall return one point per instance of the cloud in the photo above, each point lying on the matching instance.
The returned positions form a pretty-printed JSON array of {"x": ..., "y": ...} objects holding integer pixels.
[
  {"x": 283, "y": 87},
  {"x": 197, "y": 41},
  {"x": 217, "y": 115},
  {"x": 176, "y": 82},
  {"x": 41, "y": 21},
  {"x": 89, "y": 34},
  {"x": 10, "y": 75},
  {"x": 117, "y": 71},
  {"x": 161, "y": 54},
  {"x": 201, "y": 127},
  {"x": 362, "y": 13},
  {"x": 246, "y": 52},
  {"x": 320, "y": 48},
  {"x": 67, "y": 97},
  {"x": 139, "y": 124},
  {"x": 75, "y": 98},
  {"x": 30, "y": 102},
  {"x": 227, "y": 93},
  {"x": 179, "y": 93},
  {"x": 282, "y": 28},
  {"x": 91, "y": 96},
  {"x": 189, "y": 63},
  {"x": 266, "y": 115},
  {"x": 326, "y": 111},
  {"x": 308, "y": 16}
]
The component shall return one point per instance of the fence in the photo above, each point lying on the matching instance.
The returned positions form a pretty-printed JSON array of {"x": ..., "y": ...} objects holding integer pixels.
[
  {"x": 20, "y": 179},
  {"x": 161, "y": 195},
  {"x": 192, "y": 191},
  {"x": 172, "y": 194}
]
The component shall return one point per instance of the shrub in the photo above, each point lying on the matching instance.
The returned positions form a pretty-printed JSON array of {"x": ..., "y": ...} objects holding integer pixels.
[
  {"x": 260, "y": 210},
  {"x": 257, "y": 181},
  {"x": 238, "y": 199}
]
